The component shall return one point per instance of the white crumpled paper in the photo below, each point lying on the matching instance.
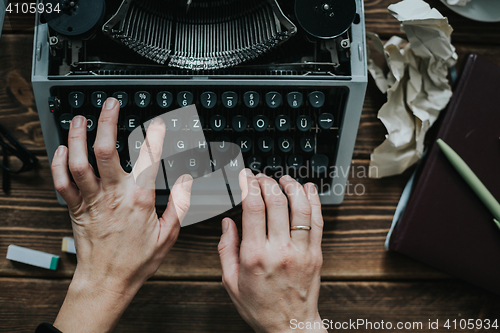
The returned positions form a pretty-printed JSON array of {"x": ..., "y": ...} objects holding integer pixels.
[
  {"x": 417, "y": 86},
  {"x": 457, "y": 2}
]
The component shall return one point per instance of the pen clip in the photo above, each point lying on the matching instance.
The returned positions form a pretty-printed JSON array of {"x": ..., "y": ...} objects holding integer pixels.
[{"x": 497, "y": 223}]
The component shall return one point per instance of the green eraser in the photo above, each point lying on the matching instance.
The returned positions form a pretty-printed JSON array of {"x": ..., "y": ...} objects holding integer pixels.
[{"x": 32, "y": 257}]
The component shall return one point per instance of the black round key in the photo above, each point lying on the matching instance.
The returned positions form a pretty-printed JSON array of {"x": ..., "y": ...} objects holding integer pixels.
[
  {"x": 307, "y": 144},
  {"x": 260, "y": 123},
  {"x": 285, "y": 144},
  {"x": 196, "y": 123},
  {"x": 120, "y": 144},
  {"x": 240, "y": 123},
  {"x": 245, "y": 143},
  {"x": 295, "y": 161},
  {"x": 98, "y": 98},
  {"x": 201, "y": 145},
  {"x": 185, "y": 98},
  {"x": 251, "y": 99},
  {"x": 142, "y": 99},
  {"x": 221, "y": 143},
  {"x": 229, "y": 99},
  {"x": 122, "y": 97},
  {"x": 126, "y": 165},
  {"x": 274, "y": 162},
  {"x": 325, "y": 120},
  {"x": 132, "y": 122},
  {"x": 265, "y": 144},
  {"x": 319, "y": 163},
  {"x": 304, "y": 123},
  {"x": 65, "y": 120},
  {"x": 218, "y": 123},
  {"x": 317, "y": 99},
  {"x": 76, "y": 99},
  {"x": 254, "y": 162},
  {"x": 295, "y": 99},
  {"x": 282, "y": 122},
  {"x": 273, "y": 99},
  {"x": 180, "y": 144},
  {"x": 91, "y": 123},
  {"x": 208, "y": 99},
  {"x": 174, "y": 123},
  {"x": 192, "y": 163},
  {"x": 164, "y": 99}
]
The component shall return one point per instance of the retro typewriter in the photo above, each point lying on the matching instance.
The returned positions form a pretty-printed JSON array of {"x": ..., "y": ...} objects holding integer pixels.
[{"x": 283, "y": 79}]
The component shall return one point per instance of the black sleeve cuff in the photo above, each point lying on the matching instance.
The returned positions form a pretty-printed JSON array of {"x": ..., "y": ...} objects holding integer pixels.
[{"x": 46, "y": 328}]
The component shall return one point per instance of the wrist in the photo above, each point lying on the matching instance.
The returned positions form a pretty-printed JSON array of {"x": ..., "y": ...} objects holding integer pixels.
[{"x": 92, "y": 305}]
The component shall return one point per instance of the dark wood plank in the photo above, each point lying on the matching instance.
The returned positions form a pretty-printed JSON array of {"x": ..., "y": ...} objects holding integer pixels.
[
  {"x": 206, "y": 307},
  {"x": 353, "y": 240}
]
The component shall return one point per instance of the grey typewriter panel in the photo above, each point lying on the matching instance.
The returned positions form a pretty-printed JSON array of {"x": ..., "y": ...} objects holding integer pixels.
[{"x": 339, "y": 140}]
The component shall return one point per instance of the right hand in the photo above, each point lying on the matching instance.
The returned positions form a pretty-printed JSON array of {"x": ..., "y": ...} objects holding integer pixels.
[{"x": 275, "y": 277}]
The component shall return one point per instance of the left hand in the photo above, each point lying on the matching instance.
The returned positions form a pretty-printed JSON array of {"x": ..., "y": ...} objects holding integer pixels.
[{"x": 119, "y": 238}]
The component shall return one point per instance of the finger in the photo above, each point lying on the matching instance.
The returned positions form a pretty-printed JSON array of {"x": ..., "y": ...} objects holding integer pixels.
[
  {"x": 229, "y": 255},
  {"x": 62, "y": 181},
  {"x": 105, "y": 151},
  {"x": 316, "y": 215},
  {"x": 148, "y": 163},
  {"x": 179, "y": 200},
  {"x": 79, "y": 166},
  {"x": 278, "y": 225},
  {"x": 254, "y": 210},
  {"x": 300, "y": 209}
]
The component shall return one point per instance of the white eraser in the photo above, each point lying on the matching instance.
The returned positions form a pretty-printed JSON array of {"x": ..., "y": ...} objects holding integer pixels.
[
  {"x": 32, "y": 257},
  {"x": 68, "y": 245}
]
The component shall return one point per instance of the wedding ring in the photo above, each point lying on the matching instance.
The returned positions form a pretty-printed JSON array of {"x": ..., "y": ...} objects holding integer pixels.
[{"x": 300, "y": 227}]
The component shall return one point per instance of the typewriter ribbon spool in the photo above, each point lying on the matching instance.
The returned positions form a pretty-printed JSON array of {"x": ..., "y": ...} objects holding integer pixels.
[{"x": 325, "y": 19}]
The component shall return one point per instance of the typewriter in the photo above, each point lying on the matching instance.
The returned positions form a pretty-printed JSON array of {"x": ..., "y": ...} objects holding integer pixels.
[{"x": 285, "y": 80}]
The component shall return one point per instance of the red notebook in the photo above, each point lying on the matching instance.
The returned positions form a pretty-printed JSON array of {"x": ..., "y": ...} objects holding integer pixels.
[{"x": 444, "y": 224}]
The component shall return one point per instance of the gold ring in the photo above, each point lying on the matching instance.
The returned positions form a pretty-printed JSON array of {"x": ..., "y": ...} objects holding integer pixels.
[{"x": 300, "y": 227}]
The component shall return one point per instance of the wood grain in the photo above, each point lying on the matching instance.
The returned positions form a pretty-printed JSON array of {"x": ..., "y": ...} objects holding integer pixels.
[
  {"x": 205, "y": 306},
  {"x": 352, "y": 245}
]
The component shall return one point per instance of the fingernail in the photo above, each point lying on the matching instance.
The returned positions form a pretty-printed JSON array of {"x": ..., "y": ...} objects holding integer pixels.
[
  {"x": 311, "y": 189},
  {"x": 77, "y": 121},
  {"x": 60, "y": 151},
  {"x": 157, "y": 121},
  {"x": 187, "y": 182},
  {"x": 225, "y": 225},
  {"x": 110, "y": 103},
  {"x": 248, "y": 173},
  {"x": 287, "y": 177},
  {"x": 261, "y": 175}
]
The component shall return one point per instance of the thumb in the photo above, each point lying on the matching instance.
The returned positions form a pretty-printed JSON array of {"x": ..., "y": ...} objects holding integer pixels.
[
  {"x": 229, "y": 254},
  {"x": 179, "y": 200}
]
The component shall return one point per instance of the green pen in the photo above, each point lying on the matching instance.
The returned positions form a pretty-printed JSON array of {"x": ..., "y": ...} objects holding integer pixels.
[{"x": 470, "y": 177}]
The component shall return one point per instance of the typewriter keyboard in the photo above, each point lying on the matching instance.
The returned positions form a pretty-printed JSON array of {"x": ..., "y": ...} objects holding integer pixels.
[{"x": 280, "y": 130}]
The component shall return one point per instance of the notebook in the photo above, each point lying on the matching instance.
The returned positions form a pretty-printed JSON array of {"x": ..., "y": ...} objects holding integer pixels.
[{"x": 444, "y": 224}]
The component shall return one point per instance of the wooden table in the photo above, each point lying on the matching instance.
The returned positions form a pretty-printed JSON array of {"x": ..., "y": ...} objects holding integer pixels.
[{"x": 360, "y": 279}]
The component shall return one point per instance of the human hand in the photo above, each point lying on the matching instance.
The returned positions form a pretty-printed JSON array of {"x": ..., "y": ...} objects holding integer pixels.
[
  {"x": 275, "y": 276},
  {"x": 119, "y": 238}
]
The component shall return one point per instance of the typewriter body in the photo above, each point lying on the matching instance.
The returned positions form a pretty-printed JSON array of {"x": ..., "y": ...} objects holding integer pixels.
[{"x": 283, "y": 79}]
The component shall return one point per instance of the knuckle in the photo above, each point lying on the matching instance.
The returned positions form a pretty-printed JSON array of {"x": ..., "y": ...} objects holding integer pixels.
[
  {"x": 285, "y": 258},
  {"x": 143, "y": 197},
  {"x": 255, "y": 260},
  {"x": 61, "y": 187},
  {"x": 278, "y": 201},
  {"x": 104, "y": 151},
  {"x": 304, "y": 210},
  {"x": 254, "y": 205},
  {"x": 79, "y": 169}
]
